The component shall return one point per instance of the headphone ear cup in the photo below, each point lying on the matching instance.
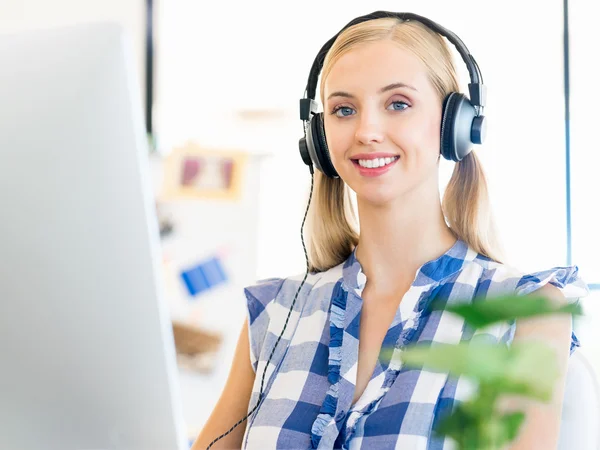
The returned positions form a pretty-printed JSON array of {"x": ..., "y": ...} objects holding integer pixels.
[
  {"x": 446, "y": 146},
  {"x": 457, "y": 121},
  {"x": 317, "y": 146}
]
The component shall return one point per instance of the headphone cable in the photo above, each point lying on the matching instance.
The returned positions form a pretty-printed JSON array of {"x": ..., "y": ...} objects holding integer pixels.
[{"x": 262, "y": 381}]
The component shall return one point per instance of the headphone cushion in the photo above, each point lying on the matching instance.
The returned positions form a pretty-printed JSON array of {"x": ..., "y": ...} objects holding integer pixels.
[
  {"x": 321, "y": 132},
  {"x": 448, "y": 149},
  {"x": 321, "y": 151},
  {"x": 457, "y": 127}
]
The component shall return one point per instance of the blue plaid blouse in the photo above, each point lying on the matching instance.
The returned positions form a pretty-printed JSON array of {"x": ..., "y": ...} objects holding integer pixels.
[{"x": 309, "y": 384}]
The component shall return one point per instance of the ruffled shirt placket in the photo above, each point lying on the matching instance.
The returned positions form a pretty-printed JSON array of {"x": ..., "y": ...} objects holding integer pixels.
[{"x": 337, "y": 410}]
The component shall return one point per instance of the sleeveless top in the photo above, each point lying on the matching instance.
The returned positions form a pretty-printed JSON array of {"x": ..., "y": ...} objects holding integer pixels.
[{"x": 309, "y": 383}]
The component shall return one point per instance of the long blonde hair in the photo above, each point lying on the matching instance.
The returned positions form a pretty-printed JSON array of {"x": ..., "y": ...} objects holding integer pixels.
[{"x": 332, "y": 224}]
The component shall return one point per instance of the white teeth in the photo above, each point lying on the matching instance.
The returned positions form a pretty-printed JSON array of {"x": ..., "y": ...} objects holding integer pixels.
[{"x": 377, "y": 162}]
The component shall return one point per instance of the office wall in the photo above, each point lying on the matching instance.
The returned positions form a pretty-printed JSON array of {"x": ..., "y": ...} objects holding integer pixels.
[
  {"x": 222, "y": 58},
  {"x": 584, "y": 165},
  {"x": 584, "y": 152}
]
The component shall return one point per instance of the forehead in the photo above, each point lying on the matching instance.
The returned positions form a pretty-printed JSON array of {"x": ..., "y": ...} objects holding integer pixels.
[{"x": 372, "y": 65}]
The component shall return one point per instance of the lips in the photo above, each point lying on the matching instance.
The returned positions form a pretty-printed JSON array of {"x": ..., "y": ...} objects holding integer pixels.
[{"x": 375, "y": 171}]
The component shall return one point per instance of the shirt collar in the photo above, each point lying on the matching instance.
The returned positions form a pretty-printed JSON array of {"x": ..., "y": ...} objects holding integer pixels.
[{"x": 429, "y": 273}]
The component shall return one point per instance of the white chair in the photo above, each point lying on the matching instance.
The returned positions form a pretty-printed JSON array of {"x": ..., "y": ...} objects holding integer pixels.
[{"x": 580, "y": 423}]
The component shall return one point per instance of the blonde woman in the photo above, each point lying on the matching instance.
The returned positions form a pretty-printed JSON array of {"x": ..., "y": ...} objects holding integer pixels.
[{"x": 307, "y": 369}]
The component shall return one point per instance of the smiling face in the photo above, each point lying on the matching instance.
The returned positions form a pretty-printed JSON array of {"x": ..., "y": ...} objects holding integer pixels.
[{"x": 382, "y": 122}]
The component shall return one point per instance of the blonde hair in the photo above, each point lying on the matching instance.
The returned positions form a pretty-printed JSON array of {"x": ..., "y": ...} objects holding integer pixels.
[{"x": 332, "y": 224}]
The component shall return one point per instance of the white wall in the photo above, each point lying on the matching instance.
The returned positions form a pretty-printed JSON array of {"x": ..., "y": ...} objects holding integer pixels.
[
  {"x": 585, "y": 149},
  {"x": 585, "y": 163},
  {"x": 220, "y": 58},
  {"x": 30, "y": 14}
]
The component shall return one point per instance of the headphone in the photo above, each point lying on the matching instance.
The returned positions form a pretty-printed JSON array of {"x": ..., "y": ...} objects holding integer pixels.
[{"x": 462, "y": 124}]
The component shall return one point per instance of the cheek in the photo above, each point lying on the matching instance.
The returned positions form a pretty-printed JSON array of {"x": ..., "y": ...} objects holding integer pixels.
[
  {"x": 429, "y": 142},
  {"x": 434, "y": 135},
  {"x": 418, "y": 139}
]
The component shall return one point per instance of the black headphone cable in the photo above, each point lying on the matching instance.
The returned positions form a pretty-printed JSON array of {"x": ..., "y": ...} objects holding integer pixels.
[{"x": 262, "y": 381}]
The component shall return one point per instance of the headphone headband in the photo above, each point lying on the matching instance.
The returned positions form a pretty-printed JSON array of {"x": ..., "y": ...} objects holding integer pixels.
[
  {"x": 462, "y": 123},
  {"x": 476, "y": 87}
]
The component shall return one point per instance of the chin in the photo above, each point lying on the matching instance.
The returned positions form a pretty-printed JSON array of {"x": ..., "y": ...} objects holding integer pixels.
[{"x": 377, "y": 197}]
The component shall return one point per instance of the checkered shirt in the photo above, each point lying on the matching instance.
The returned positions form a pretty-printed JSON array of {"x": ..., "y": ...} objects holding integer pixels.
[{"x": 310, "y": 381}]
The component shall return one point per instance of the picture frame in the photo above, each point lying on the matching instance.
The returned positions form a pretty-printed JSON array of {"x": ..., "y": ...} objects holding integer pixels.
[{"x": 194, "y": 172}]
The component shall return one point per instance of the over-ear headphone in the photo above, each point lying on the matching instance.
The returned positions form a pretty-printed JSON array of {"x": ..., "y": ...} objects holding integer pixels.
[{"x": 462, "y": 123}]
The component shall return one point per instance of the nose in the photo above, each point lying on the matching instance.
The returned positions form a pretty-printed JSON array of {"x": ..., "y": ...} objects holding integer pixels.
[{"x": 369, "y": 129}]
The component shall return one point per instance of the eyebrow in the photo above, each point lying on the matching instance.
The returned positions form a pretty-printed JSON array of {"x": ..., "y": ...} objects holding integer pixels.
[{"x": 384, "y": 89}]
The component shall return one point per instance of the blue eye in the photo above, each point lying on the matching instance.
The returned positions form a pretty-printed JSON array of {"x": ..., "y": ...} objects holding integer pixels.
[
  {"x": 399, "y": 106},
  {"x": 346, "y": 111}
]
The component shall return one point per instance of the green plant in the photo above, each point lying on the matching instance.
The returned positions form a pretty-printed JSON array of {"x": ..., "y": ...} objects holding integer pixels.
[{"x": 525, "y": 369}]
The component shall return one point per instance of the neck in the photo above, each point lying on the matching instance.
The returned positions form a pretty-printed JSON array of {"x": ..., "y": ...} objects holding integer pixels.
[{"x": 396, "y": 240}]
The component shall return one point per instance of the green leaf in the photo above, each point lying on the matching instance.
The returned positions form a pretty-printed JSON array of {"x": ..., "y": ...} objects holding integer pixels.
[
  {"x": 511, "y": 424},
  {"x": 496, "y": 431},
  {"x": 461, "y": 426},
  {"x": 476, "y": 431},
  {"x": 532, "y": 370},
  {"x": 485, "y": 312},
  {"x": 484, "y": 362},
  {"x": 527, "y": 368}
]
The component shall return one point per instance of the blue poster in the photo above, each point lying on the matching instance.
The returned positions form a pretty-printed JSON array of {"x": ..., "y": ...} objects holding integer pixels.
[{"x": 204, "y": 276}]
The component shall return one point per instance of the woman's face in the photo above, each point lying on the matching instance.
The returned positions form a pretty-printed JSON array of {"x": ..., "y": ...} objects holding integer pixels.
[{"x": 379, "y": 103}]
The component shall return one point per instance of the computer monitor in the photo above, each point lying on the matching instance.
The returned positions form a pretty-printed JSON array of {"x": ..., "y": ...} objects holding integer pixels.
[{"x": 86, "y": 347}]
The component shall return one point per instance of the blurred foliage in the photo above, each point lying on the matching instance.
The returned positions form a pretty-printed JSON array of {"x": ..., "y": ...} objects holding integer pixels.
[{"x": 528, "y": 369}]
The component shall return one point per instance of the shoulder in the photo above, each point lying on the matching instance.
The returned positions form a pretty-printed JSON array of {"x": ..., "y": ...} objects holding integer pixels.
[
  {"x": 273, "y": 302},
  {"x": 553, "y": 293},
  {"x": 558, "y": 283},
  {"x": 275, "y": 292}
]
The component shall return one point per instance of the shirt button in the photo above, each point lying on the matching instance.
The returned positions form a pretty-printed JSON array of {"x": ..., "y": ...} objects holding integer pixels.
[{"x": 340, "y": 416}]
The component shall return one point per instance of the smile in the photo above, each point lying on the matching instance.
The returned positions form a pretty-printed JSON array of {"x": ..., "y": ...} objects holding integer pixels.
[
  {"x": 377, "y": 162},
  {"x": 374, "y": 167}
]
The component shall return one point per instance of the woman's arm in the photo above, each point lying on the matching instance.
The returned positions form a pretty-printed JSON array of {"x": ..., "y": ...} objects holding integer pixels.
[
  {"x": 541, "y": 427},
  {"x": 233, "y": 403}
]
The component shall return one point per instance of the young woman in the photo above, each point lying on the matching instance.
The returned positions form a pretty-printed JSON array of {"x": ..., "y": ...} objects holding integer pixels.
[{"x": 385, "y": 85}]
